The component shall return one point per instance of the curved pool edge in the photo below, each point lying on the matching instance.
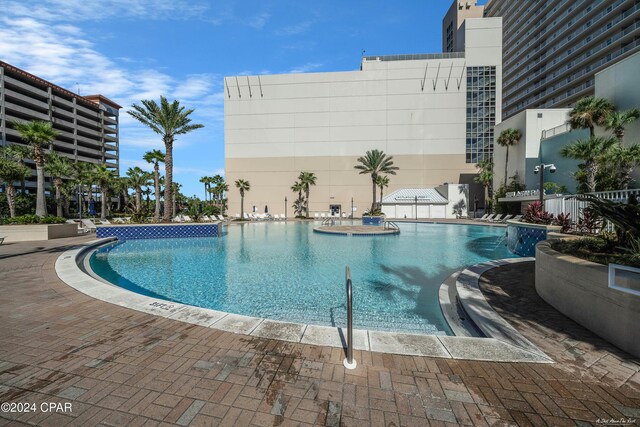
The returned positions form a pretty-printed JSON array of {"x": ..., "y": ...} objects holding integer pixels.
[{"x": 68, "y": 269}]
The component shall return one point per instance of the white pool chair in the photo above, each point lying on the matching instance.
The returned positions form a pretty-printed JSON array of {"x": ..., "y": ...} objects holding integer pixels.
[
  {"x": 2, "y": 239},
  {"x": 221, "y": 218},
  {"x": 316, "y": 215},
  {"x": 88, "y": 224},
  {"x": 489, "y": 218},
  {"x": 246, "y": 216},
  {"x": 517, "y": 218},
  {"x": 485, "y": 216},
  {"x": 505, "y": 219}
]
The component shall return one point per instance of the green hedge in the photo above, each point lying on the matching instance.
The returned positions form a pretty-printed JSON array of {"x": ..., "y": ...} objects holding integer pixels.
[{"x": 33, "y": 219}]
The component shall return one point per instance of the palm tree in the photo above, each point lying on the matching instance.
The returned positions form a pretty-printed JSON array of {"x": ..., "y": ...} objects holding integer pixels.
[
  {"x": 83, "y": 173},
  {"x": 375, "y": 162},
  {"x": 485, "y": 177},
  {"x": 58, "y": 167},
  {"x": 206, "y": 180},
  {"x": 623, "y": 160},
  {"x": 382, "y": 181},
  {"x": 617, "y": 120},
  {"x": 216, "y": 180},
  {"x": 508, "y": 138},
  {"x": 168, "y": 120},
  {"x": 298, "y": 204},
  {"x": 243, "y": 186},
  {"x": 591, "y": 151},
  {"x": 307, "y": 179},
  {"x": 18, "y": 153},
  {"x": 12, "y": 170},
  {"x": 179, "y": 197},
  {"x": 590, "y": 112},
  {"x": 38, "y": 135},
  {"x": 104, "y": 178},
  {"x": 155, "y": 157},
  {"x": 138, "y": 179}
]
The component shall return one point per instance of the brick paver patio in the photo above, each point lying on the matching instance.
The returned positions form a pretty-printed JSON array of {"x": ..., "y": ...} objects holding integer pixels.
[{"x": 121, "y": 367}]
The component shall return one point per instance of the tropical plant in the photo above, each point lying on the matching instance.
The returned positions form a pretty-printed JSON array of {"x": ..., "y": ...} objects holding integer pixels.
[
  {"x": 591, "y": 151},
  {"x": 83, "y": 173},
  {"x": 535, "y": 214},
  {"x": 625, "y": 217},
  {"x": 12, "y": 170},
  {"x": 485, "y": 177},
  {"x": 243, "y": 186},
  {"x": 508, "y": 138},
  {"x": 58, "y": 167},
  {"x": 307, "y": 179},
  {"x": 616, "y": 121},
  {"x": 179, "y": 199},
  {"x": 155, "y": 157},
  {"x": 382, "y": 181},
  {"x": 105, "y": 178},
  {"x": 206, "y": 180},
  {"x": 219, "y": 190},
  {"x": 555, "y": 188},
  {"x": 590, "y": 112},
  {"x": 298, "y": 204},
  {"x": 137, "y": 179},
  {"x": 564, "y": 221},
  {"x": 589, "y": 222},
  {"x": 374, "y": 163},
  {"x": 621, "y": 161},
  {"x": 38, "y": 135},
  {"x": 169, "y": 120}
]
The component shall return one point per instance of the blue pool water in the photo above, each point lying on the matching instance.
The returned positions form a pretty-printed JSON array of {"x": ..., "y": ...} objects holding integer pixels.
[{"x": 287, "y": 272}]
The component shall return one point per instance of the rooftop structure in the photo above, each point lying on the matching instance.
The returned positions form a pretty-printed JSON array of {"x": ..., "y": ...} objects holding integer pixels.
[{"x": 452, "y": 31}]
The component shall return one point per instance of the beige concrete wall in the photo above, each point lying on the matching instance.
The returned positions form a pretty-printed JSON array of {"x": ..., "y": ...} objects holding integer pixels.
[
  {"x": 579, "y": 290},
  {"x": 457, "y": 13},
  {"x": 32, "y": 232},
  {"x": 337, "y": 180}
]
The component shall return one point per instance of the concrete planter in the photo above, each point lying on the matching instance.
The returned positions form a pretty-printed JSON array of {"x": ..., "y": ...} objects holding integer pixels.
[
  {"x": 522, "y": 237},
  {"x": 31, "y": 232},
  {"x": 373, "y": 220},
  {"x": 579, "y": 290}
]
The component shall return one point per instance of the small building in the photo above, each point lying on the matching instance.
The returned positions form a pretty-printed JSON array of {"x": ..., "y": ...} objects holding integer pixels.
[{"x": 445, "y": 201}]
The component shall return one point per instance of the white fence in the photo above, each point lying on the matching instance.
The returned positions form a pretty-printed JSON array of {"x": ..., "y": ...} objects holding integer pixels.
[{"x": 574, "y": 207}]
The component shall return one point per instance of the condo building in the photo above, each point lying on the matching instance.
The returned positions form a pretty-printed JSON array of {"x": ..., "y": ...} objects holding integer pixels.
[
  {"x": 452, "y": 32},
  {"x": 87, "y": 126},
  {"x": 554, "y": 48},
  {"x": 434, "y": 113}
]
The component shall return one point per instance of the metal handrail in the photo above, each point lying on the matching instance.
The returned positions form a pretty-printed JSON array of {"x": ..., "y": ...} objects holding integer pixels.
[
  {"x": 391, "y": 225},
  {"x": 349, "y": 363},
  {"x": 328, "y": 221}
]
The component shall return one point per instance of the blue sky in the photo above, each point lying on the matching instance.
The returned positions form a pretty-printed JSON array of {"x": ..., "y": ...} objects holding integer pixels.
[{"x": 129, "y": 50}]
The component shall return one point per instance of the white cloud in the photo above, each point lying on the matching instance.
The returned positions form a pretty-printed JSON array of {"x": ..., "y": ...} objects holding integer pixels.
[
  {"x": 305, "y": 68},
  {"x": 294, "y": 30},
  {"x": 195, "y": 86},
  {"x": 259, "y": 21}
]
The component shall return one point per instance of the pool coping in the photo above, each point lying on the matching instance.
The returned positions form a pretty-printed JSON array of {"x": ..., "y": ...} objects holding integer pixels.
[{"x": 448, "y": 347}]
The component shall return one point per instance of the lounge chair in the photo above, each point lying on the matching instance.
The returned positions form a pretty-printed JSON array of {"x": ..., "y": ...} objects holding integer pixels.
[
  {"x": 517, "y": 218},
  {"x": 316, "y": 215},
  {"x": 506, "y": 218},
  {"x": 105, "y": 221},
  {"x": 88, "y": 224},
  {"x": 490, "y": 218},
  {"x": 221, "y": 218},
  {"x": 187, "y": 218},
  {"x": 246, "y": 216},
  {"x": 177, "y": 218},
  {"x": 2, "y": 239},
  {"x": 497, "y": 218},
  {"x": 485, "y": 216},
  {"x": 322, "y": 215}
]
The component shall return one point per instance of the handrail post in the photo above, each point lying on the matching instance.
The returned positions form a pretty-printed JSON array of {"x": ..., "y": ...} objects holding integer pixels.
[{"x": 349, "y": 363}]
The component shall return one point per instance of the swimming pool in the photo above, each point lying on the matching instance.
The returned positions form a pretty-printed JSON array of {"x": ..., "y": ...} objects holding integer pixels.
[{"x": 285, "y": 271}]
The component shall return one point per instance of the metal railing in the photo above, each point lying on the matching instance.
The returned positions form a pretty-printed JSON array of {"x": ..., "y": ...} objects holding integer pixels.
[
  {"x": 349, "y": 363},
  {"x": 328, "y": 221},
  {"x": 390, "y": 225}
]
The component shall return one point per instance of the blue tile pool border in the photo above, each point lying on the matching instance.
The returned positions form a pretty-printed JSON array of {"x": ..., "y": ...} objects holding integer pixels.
[{"x": 158, "y": 231}]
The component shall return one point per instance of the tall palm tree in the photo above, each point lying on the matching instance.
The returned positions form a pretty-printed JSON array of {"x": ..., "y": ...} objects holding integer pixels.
[
  {"x": 58, "y": 167},
  {"x": 216, "y": 180},
  {"x": 19, "y": 153},
  {"x": 374, "y": 163},
  {"x": 623, "y": 160},
  {"x": 591, "y": 151},
  {"x": 12, "y": 170},
  {"x": 206, "y": 180},
  {"x": 104, "y": 178},
  {"x": 179, "y": 197},
  {"x": 590, "y": 112},
  {"x": 382, "y": 181},
  {"x": 138, "y": 179},
  {"x": 307, "y": 179},
  {"x": 485, "y": 177},
  {"x": 508, "y": 138},
  {"x": 155, "y": 157},
  {"x": 169, "y": 120},
  {"x": 299, "y": 202},
  {"x": 243, "y": 186},
  {"x": 618, "y": 120},
  {"x": 38, "y": 135},
  {"x": 83, "y": 173}
]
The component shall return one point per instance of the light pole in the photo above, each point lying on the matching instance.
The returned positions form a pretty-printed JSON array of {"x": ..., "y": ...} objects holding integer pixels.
[
  {"x": 352, "y": 208},
  {"x": 416, "y": 202},
  {"x": 285, "y": 207},
  {"x": 540, "y": 170}
]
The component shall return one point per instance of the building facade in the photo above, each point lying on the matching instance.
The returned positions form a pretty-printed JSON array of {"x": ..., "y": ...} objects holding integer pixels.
[
  {"x": 554, "y": 48},
  {"x": 87, "y": 126},
  {"x": 433, "y": 113},
  {"x": 452, "y": 34}
]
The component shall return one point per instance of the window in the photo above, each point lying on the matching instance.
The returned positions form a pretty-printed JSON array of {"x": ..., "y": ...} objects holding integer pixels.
[{"x": 481, "y": 113}]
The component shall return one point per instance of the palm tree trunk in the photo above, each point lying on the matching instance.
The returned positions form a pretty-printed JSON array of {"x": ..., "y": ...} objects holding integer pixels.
[
  {"x": 156, "y": 215},
  {"x": 381, "y": 191},
  {"x": 307, "y": 196},
  {"x": 41, "y": 203},
  {"x": 138, "y": 199},
  {"x": 486, "y": 198},
  {"x": 11, "y": 199},
  {"x": 168, "y": 188},
  {"x": 506, "y": 165},
  {"x": 65, "y": 206},
  {"x": 242, "y": 207},
  {"x": 373, "y": 204},
  {"x": 103, "y": 208},
  {"x": 592, "y": 171},
  {"x": 58, "y": 201}
]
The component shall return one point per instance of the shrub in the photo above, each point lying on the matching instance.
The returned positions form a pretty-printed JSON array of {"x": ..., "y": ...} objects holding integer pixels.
[
  {"x": 34, "y": 219},
  {"x": 535, "y": 214},
  {"x": 589, "y": 222},
  {"x": 563, "y": 220},
  {"x": 625, "y": 217}
]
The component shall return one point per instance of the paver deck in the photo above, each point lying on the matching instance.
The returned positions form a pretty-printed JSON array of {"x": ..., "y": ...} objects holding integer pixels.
[{"x": 122, "y": 367}]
